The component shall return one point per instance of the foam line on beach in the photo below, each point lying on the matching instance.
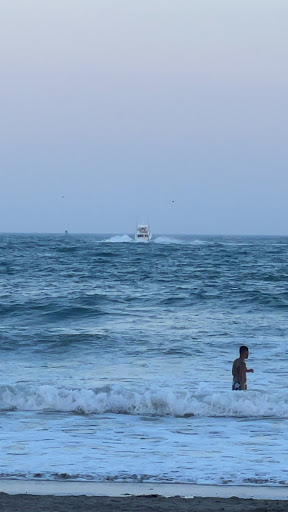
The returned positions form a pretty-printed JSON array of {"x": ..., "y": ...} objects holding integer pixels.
[{"x": 113, "y": 489}]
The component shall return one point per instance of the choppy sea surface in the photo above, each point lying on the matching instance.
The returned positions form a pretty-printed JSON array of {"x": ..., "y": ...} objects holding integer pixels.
[{"x": 116, "y": 358}]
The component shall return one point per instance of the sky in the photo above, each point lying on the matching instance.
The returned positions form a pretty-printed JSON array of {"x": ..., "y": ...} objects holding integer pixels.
[{"x": 115, "y": 112}]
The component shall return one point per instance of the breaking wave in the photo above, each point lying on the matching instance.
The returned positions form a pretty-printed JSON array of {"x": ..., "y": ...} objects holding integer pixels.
[{"x": 150, "y": 401}]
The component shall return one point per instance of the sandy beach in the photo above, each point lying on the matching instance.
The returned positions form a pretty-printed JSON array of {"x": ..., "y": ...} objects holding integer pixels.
[
  {"x": 44, "y": 503},
  {"x": 44, "y": 496}
]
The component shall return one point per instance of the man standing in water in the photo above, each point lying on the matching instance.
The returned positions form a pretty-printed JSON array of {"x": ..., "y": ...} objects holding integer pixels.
[{"x": 239, "y": 370}]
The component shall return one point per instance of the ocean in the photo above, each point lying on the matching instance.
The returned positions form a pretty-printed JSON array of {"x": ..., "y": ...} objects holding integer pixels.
[{"x": 116, "y": 358}]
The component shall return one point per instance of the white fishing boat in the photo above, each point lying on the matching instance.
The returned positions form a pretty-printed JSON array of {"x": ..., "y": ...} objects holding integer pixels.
[{"x": 143, "y": 233}]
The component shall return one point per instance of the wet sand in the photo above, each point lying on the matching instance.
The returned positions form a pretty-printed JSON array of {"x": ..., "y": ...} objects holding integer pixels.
[
  {"x": 49, "y": 496},
  {"x": 152, "y": 503},
  {"x": 124, "y": 489}
]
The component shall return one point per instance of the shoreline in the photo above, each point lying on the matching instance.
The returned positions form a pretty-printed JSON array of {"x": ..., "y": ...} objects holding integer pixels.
[
  {"x": 49, "y": 496},
  {"x": 117, "y": 489}
]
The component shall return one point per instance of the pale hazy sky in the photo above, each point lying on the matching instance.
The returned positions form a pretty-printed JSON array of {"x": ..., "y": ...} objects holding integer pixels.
[{"x": 112, "y": 109}]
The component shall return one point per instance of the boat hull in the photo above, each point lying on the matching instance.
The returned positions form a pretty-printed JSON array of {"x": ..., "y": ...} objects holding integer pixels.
[
  {"x": 143, "y": 234},
  {"x": 142, "y": 240}
]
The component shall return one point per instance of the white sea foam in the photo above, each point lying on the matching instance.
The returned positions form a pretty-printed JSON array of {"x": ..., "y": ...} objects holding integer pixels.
[
  {"x": 156, "y": 401},
  {"x": 168, "y": 240},
  {"x": 199, "y": 242},
  {"x": 119, "y": 239},
  {"x": 144, "y": 439},
  {"x": 179, "y": 241}
]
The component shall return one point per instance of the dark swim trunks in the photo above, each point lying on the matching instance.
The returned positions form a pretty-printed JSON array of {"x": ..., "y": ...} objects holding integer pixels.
[{"x": 236, "y": 386}]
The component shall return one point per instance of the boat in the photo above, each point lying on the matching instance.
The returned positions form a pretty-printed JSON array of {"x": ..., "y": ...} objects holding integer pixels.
[{"x": 143, "y": 233}]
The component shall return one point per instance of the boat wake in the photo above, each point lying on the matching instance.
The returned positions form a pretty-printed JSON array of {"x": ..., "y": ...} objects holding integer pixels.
[{"x": 119, "y": 239}]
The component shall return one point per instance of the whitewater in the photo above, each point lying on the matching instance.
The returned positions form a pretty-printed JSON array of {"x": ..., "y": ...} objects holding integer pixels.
[{"x": 116, "y": 358}]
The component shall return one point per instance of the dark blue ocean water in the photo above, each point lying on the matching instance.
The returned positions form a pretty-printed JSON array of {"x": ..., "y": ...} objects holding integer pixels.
[{"x": 116, "y": 357}]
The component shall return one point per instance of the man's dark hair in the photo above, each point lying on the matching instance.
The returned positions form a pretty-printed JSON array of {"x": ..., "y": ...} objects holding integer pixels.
[{"x": 243, "y": 349}]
